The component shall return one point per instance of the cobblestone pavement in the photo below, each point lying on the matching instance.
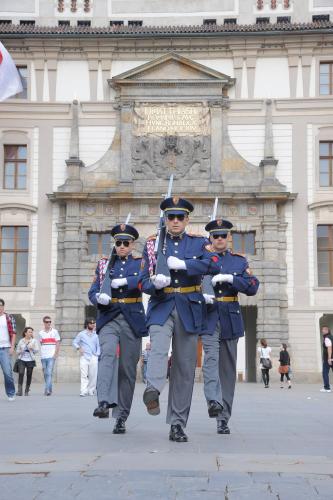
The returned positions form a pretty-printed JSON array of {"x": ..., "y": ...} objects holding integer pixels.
[{"x": 281, "y": 447}]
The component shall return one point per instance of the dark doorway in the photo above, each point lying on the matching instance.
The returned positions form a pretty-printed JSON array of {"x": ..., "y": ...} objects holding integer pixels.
[
  {"x": 90, "y": 312},
  {"x": 20, "y": 325},
  {"x": 250, "y": 324}
]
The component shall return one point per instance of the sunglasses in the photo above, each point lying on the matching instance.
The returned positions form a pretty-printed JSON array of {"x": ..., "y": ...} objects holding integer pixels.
[
  {"x": 92, "y": 322},
  {"x": 217, "y": 236},
  {"x": 180, "y": 217},
  {"x": 47, "y": 321},
  {"x": 122, "y": 242}
]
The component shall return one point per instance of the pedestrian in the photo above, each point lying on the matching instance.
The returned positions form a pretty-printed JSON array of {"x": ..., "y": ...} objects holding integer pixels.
[
  {"x": 327, "y": 357},
  {"x": 26, "y": 349},
  {"x": 49, "y": 340},
  {"x": 284, "y": 367},
  {"x": 265, "y": 361},
  {"x": 87, "y": 344},
  {"x": 176, "y": 312},
  {"x": 7, "y": 343},
  {"x": 225, "y": 324},
  {"x": 144, "y": 361},
  {"x": 121, "y": 324}
]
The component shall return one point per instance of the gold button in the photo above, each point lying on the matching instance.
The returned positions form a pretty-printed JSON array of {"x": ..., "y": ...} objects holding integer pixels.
[
  {"x": 194, "y": 256},
  {"x": 176, "y": 242}
]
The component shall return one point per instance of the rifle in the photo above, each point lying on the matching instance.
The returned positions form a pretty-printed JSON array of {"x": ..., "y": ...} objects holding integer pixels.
[
  {"x": 106, "y": 284},
  {"x": 207, "y": 286},
  {"x": 160, "y": 243}
]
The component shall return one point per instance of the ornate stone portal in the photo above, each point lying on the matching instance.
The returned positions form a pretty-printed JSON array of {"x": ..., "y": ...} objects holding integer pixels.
[{"x": 172, "y": 117}]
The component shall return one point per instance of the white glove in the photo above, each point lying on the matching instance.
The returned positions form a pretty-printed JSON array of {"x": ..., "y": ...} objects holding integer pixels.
[
  {"x": 209, "y": 299},
  {"x": 175, "y": 263},
  {"x": 222, "y": 278},
  {"x": 103, "y": 298},
  {"x": 161, "y": 281},
  {"x": 118, "y": 282}
]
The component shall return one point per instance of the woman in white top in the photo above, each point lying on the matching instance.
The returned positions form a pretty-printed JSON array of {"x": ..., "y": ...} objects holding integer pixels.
[
  {"x": 265, "y": 354},
  {"x": 26, "y": 350}
]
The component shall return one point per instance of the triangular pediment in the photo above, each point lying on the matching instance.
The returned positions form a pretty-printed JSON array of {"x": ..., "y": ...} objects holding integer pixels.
[{"x": 172, "y": 67}]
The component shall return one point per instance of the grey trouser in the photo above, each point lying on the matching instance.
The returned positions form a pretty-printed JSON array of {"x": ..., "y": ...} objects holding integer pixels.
[
  {"x": 115, "y": 383},
  {"x": 183, "y": 363},
  {"x": 219, "y": 370}
]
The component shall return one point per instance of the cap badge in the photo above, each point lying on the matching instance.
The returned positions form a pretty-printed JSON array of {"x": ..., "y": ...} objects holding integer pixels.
[
  {"x": 219, "y": 222},
  {"x": 122, "y": 227},
  {"x": 175, "y": 200}
]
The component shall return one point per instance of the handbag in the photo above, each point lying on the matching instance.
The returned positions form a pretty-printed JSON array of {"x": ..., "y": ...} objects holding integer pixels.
[
  {"x": 16, "y": 366},
  {"x": 266, "y": 362},
  {"x": 284, "y": 369}
]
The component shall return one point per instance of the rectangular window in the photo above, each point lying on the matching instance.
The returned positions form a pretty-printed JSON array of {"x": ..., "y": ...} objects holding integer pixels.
[
  {"x": 209, "y": 21},
  {"x": 84, "y": 23},
  {"x": 283, "y": 19},
  {"x": 116, "y": 23},
  {"x": 262, "y": 20},
  {"x": 15, "y": 167},
  {"x": 326, "y": 78},
  {"x": 326, "y": 164},
  {"x": 325, "y": 255},
  {"x": 321, "y": 17},
  {"x": 5, "y": 21},
  {"x": 230, "y": 20},
  {"x": 14, "y": 247},
  {"x": 244, "y": 242},
  {"x": 27, "y": 22},
  {"x": 64, "y": 23},
  {"x": 99, "y": 243},
  {"x": 134, "y": 23}
]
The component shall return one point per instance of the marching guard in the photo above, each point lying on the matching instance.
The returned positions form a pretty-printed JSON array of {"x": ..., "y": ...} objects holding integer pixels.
[
  {"x": 176, "y": 311},
  {"x": 120, "y": 325},
  {"x": 225, "y": 324}
]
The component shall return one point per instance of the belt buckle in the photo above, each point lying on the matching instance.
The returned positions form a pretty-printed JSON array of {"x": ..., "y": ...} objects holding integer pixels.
[
  {"x": 122, "y": 301},
  {"x": 177, "y": 290}
]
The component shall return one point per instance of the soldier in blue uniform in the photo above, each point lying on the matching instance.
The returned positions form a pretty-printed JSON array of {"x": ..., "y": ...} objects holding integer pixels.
[
  {"x": 176, "y": 311},
  {"x": 225, "y": 324},
  {"x": 120, "y": 325}
]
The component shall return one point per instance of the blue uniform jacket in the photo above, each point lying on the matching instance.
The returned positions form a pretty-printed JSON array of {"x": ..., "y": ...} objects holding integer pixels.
[
  {"x": 134, "y": 314},
  {"x": 228, "y": 313},
  {"x": 190, "y": 306}
]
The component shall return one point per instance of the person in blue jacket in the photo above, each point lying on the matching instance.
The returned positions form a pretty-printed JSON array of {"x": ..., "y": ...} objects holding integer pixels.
[
  {"x": 225, "y": 324},
  {"x": 121, "y": 324},
  {"x": 176, "y": 310}
]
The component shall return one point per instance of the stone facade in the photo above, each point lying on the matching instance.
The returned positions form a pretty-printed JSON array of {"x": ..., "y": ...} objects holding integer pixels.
[{"x": 108, "y": 118}]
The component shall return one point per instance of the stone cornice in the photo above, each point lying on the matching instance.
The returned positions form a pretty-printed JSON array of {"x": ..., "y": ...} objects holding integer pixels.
[
  {"x": 18, "y": 206},
  {"x": 119, "y": 196},
  {"x": 320, "y": 204}
]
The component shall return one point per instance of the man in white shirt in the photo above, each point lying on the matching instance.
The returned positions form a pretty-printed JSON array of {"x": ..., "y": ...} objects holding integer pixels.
[
  {"x": 7, "y": 343},
  {"x": 49, "y": 339},
  {"x": 87, "y": 343}
]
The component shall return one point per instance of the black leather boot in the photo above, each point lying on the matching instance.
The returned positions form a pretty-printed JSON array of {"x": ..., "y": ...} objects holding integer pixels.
[
  {"x": 119, "y": 427},
  {"x": 151, "y": 400},
  {"x": 27, "y": 389},
  {"x": 102, "y": 410},
  {"x": 222, "y": 427},
  {"x": 214, "y": 409},
  {"x": 19, "y": 390},
  {"x": 177, "y": 434}
]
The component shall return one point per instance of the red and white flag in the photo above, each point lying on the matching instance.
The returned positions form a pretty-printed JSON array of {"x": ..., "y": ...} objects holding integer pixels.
[{"x": 10, "y": 80}]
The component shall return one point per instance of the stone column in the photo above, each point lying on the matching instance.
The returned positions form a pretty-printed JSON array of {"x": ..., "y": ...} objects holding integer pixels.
[
  {"x": 52, "y": 71},
  {"x": 238, "y": 68},
  {"x": 293, "y": 69},
  {"x": 251, "y": 67},
  {"x": 69, "y": 303},
  {"x": 216, "y": 131},
  {"x": 126, "y": 113},
  {"x": 306, "y": 68},
  {"x": 39, "y": 70},
  {"x": 93, "y": 70}
]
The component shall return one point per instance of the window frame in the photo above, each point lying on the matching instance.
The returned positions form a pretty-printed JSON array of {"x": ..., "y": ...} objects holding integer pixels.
[
  {"x": 252, "y": 232},
  {"x": 330, "y": 84},
  {"x": 99, "y": 242},
  {"x": 16, "y": 161},
  {"x": 329, "y": 249},
  {"x": 16, "y": 251}
]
